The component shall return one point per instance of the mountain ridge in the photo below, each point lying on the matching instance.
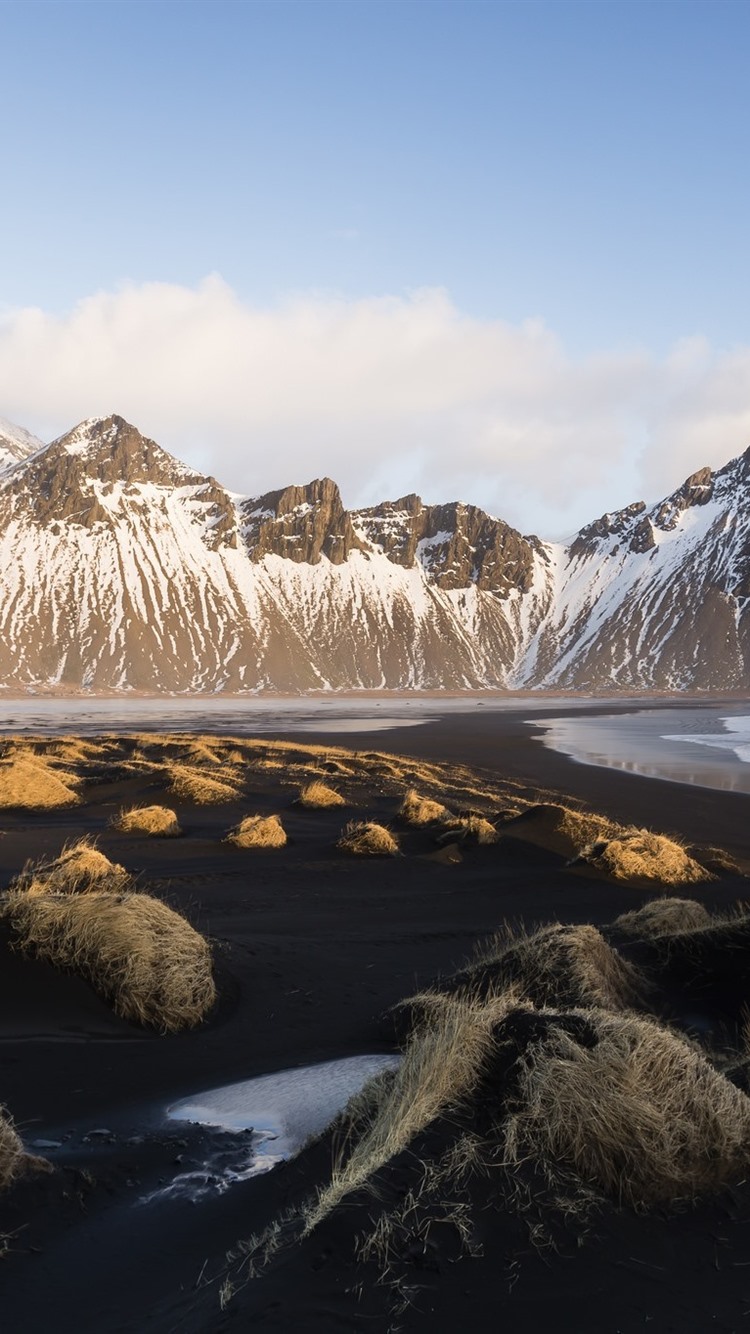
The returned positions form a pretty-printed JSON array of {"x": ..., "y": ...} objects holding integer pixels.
[{"x": 125, "y": 569}]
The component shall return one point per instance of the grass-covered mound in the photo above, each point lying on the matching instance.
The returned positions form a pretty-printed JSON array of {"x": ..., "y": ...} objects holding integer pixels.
[
  {"x": 619, "y": 852},
  {"x": 193, "y": 784},
  {"x": 419, "y": 810},
  {"x": 663, "y": 916},
  {"x": 631, "y": 1108},
  {"x": 365, "y": 838},
  {"x": 560, "y": 965},
  {"x": 29, "y": 782},
  {"x": 80, "y": 868},
  {"x": 318, "y": 796},
  {"x": 709, "y": 964},
  {"x": 638, "y": 854},
  {"x": 258, "y": 831},
  {"x": 154, "y": 821},
  {"x": 558, "y": 828},
  {"x": 470, "y": 828},
  {"x": 142, "y": 957}
]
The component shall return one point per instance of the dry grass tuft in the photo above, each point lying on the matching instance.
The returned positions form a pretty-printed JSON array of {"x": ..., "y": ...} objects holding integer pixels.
[
  {"x": 79, "y": 869},
  {"x": 640, "y": 1113},
  {"x": 192, "y": 784},
  {"x": 440, "y": 1067},
  {"x": 28, "y": 783},
  {"x": 473, "y": 828},
  {"x": 366, "y": 839},
  {"x": 418, "y": 810},
  {"x": 663, "y": 916},
  {"x": 155, "y": 821},
  {"x": 137, "y": 953},
  {"x": 637, "y": 854},
  {"x": 258, "y": 831},
  {"x": 317, "y": 796}
]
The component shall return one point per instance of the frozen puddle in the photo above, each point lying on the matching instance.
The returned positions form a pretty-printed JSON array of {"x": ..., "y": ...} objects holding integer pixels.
[{"x": 279, "y": 1113}]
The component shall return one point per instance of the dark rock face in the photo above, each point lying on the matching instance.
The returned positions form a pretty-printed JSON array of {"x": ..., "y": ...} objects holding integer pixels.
[
  {"x": 68, "y": 481},
  {"x": 456, "y": 544},
  {"x": 621, "y": 524},
  {"x": 697, "y": 490},
  {"x": 643, "y": 537},
  {"x": 301, "y": 523}
]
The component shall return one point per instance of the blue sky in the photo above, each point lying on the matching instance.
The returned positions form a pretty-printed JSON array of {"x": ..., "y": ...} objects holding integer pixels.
[{"x": 582, "y": 165}]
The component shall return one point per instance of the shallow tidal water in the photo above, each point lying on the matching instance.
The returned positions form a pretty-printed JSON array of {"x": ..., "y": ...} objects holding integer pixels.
[
  {"x": 707, "y": 747},
  {"x": 248, "y": 715},
  {"x": 281, "y": 1112}
]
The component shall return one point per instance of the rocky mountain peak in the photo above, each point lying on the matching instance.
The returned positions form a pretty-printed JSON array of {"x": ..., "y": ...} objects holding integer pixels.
[
  {"x": 301, "y": 523},
  {"x": 109, "y": 449},
  {"x": 86, "y": 476},
  {"x": 698, "y": 489}
]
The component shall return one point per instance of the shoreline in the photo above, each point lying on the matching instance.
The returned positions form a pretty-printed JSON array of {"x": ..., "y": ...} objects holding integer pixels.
[{"x": 311, "y": 952}]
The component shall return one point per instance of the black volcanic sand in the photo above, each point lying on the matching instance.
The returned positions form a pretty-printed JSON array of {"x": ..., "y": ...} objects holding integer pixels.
[{"x": 311, "y": 950}]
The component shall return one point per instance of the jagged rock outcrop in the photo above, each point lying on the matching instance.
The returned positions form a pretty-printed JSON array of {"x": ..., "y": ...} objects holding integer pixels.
[
  {"x": 456, "y": 544},
  {"x": 122, "y": 568},
  {"x": 301, "y": 523}
]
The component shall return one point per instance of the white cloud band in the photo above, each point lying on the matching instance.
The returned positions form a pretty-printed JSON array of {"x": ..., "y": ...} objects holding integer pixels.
[{"x": 383, "y": 394}]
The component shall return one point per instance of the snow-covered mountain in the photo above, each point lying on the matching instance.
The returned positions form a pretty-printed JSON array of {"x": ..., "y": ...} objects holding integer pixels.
[
  {"x": 15, "y": 443},
  {"x": 122, "y": 568}
]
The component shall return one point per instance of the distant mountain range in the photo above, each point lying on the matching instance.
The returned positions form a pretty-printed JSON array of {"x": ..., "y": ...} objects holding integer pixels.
[{"x": 123, "y": 569}]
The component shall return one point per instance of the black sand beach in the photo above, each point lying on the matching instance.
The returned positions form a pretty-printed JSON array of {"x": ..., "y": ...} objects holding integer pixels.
[{"x": 311, "y": 951}]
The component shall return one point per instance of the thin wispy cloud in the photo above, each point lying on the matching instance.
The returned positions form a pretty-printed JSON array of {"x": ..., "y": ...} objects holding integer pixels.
[{"x": 385, "y": 394}]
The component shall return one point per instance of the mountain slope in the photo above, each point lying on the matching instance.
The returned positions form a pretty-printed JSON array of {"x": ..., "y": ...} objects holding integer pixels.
[
  {"x": 123, "y": 569},
  {"x": 15, "y": 444},
  {"x": 654, "y": 598}
]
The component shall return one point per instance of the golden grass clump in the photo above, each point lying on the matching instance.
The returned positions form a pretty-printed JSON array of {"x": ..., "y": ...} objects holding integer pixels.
[
  {"x": 193, "y": 784},
  {"x": 317, "y": 796},
  {"x": 637, "y": 854},
  {"x": 440, "y": 1067},
  {"x": 258, "y": 831},
  {"x": 76, "y": 750},
  {"x": 418, "y": 810},
  {"x": 30, "y": 784},
  {"x": 79, "y": 869},
  {"x": 662, "y": 917},
  {"x": 140, "y": 955},
  {"x": 640, "y": 1113},
  {"x": 474, "y": 828},
  {"x": 155, "y": 821},
  {"x": 365, "y": 838}
]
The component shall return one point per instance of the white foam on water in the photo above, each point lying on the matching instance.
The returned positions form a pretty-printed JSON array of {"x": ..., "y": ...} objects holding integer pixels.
[
  {"x": 735, "y": 738},
  {"x": 670, "y": 744}
]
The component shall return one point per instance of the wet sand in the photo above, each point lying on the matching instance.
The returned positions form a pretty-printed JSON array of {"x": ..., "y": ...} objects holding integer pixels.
[{"x": 311, "y": 951}]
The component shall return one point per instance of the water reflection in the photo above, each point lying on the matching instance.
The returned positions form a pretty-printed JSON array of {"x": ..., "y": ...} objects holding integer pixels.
[{"x": 707, "y": 747}]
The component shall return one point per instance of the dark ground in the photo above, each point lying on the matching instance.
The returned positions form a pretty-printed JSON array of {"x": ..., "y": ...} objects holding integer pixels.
[{"x": 311, "y": 950}]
